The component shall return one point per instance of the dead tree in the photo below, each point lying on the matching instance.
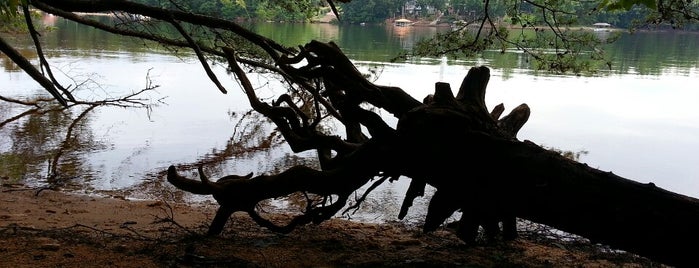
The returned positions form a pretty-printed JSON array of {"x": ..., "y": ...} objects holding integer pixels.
[
  {"x": 471, "y": 156},
  {"x": 468, "y": 154}
]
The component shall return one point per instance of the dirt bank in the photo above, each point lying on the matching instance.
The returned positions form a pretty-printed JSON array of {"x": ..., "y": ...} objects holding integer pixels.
[{"x": 55, "y": 229}]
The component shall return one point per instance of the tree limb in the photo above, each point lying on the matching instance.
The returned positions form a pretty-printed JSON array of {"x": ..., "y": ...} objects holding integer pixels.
[{"x": 28, "y": 68}]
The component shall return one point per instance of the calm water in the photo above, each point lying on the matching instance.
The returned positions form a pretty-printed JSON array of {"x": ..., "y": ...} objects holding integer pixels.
[{"x": 639, "y": 120}]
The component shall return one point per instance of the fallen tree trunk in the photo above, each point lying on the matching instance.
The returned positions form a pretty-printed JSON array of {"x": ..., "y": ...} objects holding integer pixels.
[
  {"x": 601, "y": 206},
  {"x": 525, "y": 180},
  {"x": 500, "y": 176},
  {"x": 468, "y": 154}
]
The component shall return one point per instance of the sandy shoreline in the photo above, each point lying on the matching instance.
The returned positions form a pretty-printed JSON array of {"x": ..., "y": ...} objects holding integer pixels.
[
  {"x": 56, "y": 229},
  {"x": 51, "y": 209}
]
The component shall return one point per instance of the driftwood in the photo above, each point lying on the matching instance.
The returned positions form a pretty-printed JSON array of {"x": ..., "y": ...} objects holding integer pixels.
[{"x": 468, "y": 154}]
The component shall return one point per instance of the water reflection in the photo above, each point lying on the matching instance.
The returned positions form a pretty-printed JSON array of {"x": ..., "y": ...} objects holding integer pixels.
[
  {"x": 49, "y": 20},
  {"x": 9, "y": 66},
  {"x": 47, "y": 146},
  {"x": 646, "y": 53},
  {"x": 656, "y": 53}
]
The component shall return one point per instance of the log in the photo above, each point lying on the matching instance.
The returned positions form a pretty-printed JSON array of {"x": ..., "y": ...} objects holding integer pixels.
[
  {"x": 601, "y": 206},
  {"x": 471, "y": 156},
  {"x": 496, "y": 176}
]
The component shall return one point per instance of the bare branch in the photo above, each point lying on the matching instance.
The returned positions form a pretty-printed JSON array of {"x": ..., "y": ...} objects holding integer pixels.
[
  {"x": 199, "y": 54},
  {"x": 28, "y": 68},
  {"x": 42, "y": 59},
  {"x": 271, "y": 47}
]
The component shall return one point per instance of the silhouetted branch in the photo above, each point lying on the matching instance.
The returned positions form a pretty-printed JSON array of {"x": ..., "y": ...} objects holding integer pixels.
[
  {"x": 200, "y": 55},
  {"x": 28, "y": 68},
  {"x": 40, "y": 53}
]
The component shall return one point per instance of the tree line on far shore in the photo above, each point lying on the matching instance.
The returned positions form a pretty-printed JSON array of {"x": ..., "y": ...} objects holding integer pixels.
[{"x": 573, "y": 13}]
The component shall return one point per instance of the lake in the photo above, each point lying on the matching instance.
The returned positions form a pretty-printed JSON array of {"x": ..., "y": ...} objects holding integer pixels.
[{"x": 640, "y": 119}]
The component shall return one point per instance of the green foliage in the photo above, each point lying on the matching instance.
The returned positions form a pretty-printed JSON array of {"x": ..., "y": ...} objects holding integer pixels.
[
  {"x": 466, "y": 43},
  {"x": 261, "y": 10},
  {"x": 675, "y": 13},
  {"x": 299, "y": 11},
  {"x": 372, "y": 11},
  {"x": 10, "y": 20},
  {"x": 560, "y": 51},
  {"x": 575, "y": 156},
  {"x": 625, "y": 4},
  {"x": 437, "y": 4},
  {"x": 552, "y": 32},
  {"x": 573, "y": 51},
  {"x": 8, "y": 8}
]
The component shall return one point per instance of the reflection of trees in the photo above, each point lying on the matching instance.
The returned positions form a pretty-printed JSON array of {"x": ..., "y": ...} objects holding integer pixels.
[
  {"x": 251, "y": 134},
  {"x": 294, "y": 34},
  {"x": 48, "y": 142},
  {"x": 35, "y": 124},
  {"x": 655, "y": 53},
  {"x": 9, "y": 66},
  {"x": 35, "y": 151}
]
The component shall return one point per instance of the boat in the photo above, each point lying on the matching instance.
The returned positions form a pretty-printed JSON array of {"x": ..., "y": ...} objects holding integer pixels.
[
  {"x": 402, "y": 22},
  {"x": 602, "y": 27}
]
